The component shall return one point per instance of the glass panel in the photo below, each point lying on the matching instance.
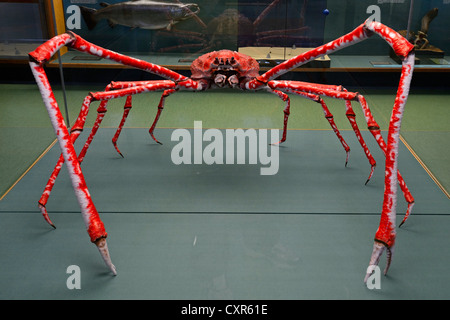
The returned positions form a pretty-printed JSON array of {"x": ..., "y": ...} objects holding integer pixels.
[{"x": 22, "y": 28}]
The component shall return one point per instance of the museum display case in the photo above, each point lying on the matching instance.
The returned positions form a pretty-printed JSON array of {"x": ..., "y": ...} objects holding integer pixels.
[
  {"x": 186, "y": 220},
  {"x": 270, "y": 31}
]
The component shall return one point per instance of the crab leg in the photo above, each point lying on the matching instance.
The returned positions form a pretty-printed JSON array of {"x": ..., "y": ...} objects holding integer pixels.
[
  {"x": 127, "y": 107},
  {"x": 294, "y": 86},
  {"x": 283, "y": 96},
  {"x": 94, "y": 225},
  {"x": 328, "y": 116},
  {"x": 400, "y": 45},
  {"x": 351, "y": 116},
  {"x": 79, "y": 126},
  {"x": 263, "y": 14},
  {"x": 314, "y": 98},
  {"x": 75, "y": 132},
  {"x": 375, "y": 131},
  {"x": 385, "y": 235},
  {"x": 165, "y": 94},
  {"x": 126, "y": 110},
  {"x": 38, "y": 58}
]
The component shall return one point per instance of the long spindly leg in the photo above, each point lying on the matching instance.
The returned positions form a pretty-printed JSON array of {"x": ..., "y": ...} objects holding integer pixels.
[
  {"x": 338, "y": 93},
  {"x": 351, "y": 116},
  {"x": 38, "y": 58},
  {"x": 128, "y": 106},
  {"x": 126, "y": 111},
  {"x": 94, "y": 224},
  {"x": 78, "y": 127},
  {"x": 405, "y": 50},
  {"x": 386, "y": 234},
  {"x": 315, "y": 98},
  {"x": 374, "y": 129},
  {"x": 283, "y": 96},
  {"x": 165, "y": 94},
  {"x": 75, "y": 131},
  {"x": 329, "y": 116}
]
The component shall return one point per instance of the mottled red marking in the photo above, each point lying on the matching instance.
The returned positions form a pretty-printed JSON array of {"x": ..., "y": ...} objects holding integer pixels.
[{"x": 202, "y": 66}]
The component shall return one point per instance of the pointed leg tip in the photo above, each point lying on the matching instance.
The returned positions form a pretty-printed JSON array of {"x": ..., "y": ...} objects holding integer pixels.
[
  {"x": 371, "y": 174},
  {"x": 45, "y": 215},
  {"x": 276, "y": 143},
  {"x": 104, "y": 252},
  {"x": 113, "y": 270},
  {"x": 117, "y": 149},
  {"x": 153, "y": 137}
]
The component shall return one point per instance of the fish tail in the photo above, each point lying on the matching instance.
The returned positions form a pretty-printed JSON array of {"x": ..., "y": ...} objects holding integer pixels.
[{"x": 89, "y": 17}]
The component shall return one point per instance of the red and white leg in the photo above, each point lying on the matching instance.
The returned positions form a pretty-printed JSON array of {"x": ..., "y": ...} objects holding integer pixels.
[
  {"x": 75, "y": 131},
  {"x": 386, "y": 232},
  {"x": 385, "y": 235},
  {"x": 165, "y": 94},
  {"x": 128, "y": 106},
  {"x": 38, "y": 58},
  {"x": 374, "y": 129},
  {"x": 94, "y": 225},
  {"x": 329, "y": 116},
  {"x": 351, "y": 116},
  {"x": 338, "y": 93},
  {"x": 315, "y": 98},
  {"x": 283, "y": 96}
]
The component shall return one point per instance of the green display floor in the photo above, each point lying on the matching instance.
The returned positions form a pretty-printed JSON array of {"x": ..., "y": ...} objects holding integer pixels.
[{"x": 223, "y": 231}]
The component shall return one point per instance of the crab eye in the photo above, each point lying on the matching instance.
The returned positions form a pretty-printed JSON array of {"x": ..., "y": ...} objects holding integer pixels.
[
  {"x": 215, "y": 63},
  {"x": 233, "y": 62}
]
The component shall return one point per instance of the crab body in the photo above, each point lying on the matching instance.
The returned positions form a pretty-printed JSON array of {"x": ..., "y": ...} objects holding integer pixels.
[{"x": 224, "y": 68}]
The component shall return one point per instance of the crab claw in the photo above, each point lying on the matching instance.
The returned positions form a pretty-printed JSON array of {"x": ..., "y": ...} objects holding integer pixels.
[
  {"x": 233, "y": 81},
  {"x": 378, "y": 249},
  {"x": 219, "y": 80},
  {"x": 103, "y": 249}
]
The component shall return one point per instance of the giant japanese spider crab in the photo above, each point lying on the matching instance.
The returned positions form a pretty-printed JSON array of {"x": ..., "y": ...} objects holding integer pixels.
[{"x": 228, "y": 69}]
